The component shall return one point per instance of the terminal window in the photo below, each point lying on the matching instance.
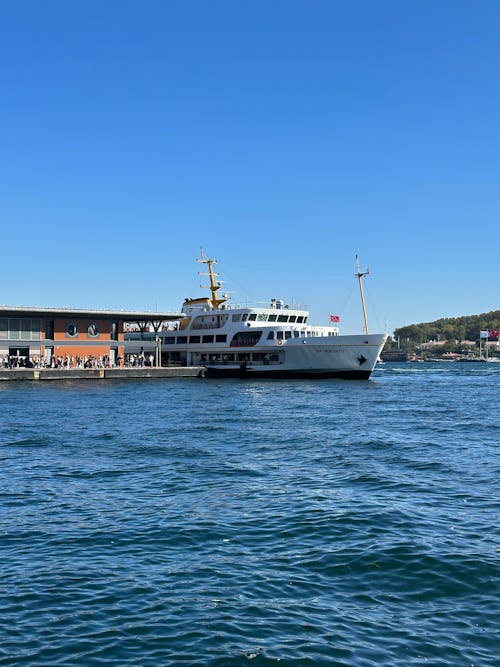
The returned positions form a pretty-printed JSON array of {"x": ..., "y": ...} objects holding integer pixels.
[{"x": 20, "y": 328}]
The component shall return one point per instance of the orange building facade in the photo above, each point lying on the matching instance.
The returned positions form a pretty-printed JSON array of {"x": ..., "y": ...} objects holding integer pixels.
[{"x": 50, "y": 336}]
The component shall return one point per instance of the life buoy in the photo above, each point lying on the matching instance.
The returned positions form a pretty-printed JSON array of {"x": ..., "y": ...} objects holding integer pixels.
[{"x": 279, "y": 342}]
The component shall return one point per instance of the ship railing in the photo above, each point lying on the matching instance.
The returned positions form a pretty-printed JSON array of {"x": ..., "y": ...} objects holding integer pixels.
[{"x": 204, "y": 326}]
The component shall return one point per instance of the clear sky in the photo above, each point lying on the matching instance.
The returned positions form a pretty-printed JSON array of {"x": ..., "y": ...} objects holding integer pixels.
[{"x": 284, "y": 137}]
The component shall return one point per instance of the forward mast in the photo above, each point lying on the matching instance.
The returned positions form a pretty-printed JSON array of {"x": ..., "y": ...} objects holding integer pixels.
[{"x": 360, "y": 275}]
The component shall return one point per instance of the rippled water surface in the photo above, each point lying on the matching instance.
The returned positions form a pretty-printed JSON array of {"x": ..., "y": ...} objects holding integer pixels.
[{"x": 213, "y": 523}]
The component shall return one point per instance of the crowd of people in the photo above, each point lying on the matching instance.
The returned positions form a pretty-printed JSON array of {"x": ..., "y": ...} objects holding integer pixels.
[
  {"x": 139, "y": 360},
  {"x": 66, "y": 361}
]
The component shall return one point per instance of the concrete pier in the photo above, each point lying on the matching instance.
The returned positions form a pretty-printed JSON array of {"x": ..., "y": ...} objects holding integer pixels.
[{"x": 29, "y": 374}]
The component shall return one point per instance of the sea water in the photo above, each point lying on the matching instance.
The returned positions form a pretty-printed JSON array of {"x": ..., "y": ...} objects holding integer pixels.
[{"x": 231, "y": 522}]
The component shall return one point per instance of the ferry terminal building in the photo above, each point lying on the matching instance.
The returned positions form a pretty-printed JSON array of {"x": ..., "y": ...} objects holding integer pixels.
[{"x": 43, "y": 333}]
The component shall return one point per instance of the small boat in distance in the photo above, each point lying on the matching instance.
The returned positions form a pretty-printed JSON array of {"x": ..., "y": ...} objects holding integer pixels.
[{"x": 265, "y": 342}]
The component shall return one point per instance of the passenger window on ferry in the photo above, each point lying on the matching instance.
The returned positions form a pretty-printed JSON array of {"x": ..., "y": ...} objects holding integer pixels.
[
  {"x": 252, "y": 317},
  {"x": 272, "y": 318},
  {"x": 244, "y": 317},
  {"x": 296, "y": 334},
  {"x": 279, "y": 335},
  {"x": 283, "y": 318},
  {"x": 236, "y": 318},
  {"x": 288, "y": 334},
  {"x": 292, "y": 318},
  {"x": 270, "y": 335}
]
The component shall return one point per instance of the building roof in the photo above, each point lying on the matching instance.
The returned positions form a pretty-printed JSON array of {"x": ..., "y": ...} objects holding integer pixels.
[{"x": 123, "y": 315}]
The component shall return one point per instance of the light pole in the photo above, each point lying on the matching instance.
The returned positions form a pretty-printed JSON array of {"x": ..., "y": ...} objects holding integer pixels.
[{"x": 158, "y": 351}]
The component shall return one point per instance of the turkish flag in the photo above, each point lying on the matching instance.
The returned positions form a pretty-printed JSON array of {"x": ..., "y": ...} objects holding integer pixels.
[{"x": 336, "y": 318}]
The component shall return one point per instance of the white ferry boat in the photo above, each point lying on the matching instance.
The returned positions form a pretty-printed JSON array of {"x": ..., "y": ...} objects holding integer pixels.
[{"x": 276, "y": 341}]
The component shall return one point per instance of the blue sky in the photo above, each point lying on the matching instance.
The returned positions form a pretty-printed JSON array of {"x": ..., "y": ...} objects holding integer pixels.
[{"x": 284, "y": 137}]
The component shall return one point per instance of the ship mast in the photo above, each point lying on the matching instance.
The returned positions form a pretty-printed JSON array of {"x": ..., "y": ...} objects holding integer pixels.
[
  {"x": 214, "y": 286},
  {"x": 360, "y": 275}
]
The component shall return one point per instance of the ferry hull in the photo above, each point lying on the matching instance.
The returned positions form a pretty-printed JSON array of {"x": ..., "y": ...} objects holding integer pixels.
[
  {"x": 221, "y": 372},
  {"x": 346, "y": 357}
]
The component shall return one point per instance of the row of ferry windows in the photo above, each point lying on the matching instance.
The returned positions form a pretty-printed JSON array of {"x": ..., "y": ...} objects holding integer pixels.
[
  {"x": 201, "y": 322},
  {"x": 182, "y": 340},
  {"x": 280, "y": 335},
  {"x": 220, "y": 338},
  {"x": 265, "y": 317}
]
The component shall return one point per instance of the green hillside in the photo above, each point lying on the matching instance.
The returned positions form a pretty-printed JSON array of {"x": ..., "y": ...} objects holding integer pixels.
[{"x": 449, "y": 328}]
